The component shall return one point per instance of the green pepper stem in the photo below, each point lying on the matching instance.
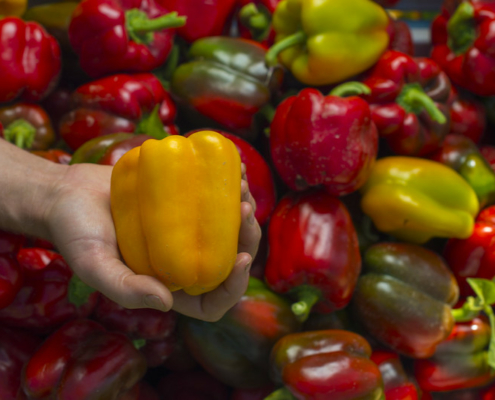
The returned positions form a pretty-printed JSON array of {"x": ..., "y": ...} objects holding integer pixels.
[
  {"x": 138, "y": 343},
  {"x": 152, "y": 125},
  {"x": 78, "y": 292},
  {"x": 463, "y": 315},
  {"x": 413, "y": 99},
  {"x": 281, "y": 394},
  {"x": 350, "y": 89},
  {"x": 140, "y": 28},
  {"x": 292, "y": 40},
  {"x": 307, "y": 297},
  {"x": 21, "y": 133},
  {"x": 254, "y": 19},
  {"x": 461, "y": 29}
]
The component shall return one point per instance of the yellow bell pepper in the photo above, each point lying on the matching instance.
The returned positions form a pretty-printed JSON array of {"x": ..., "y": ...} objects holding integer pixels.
[
  {"x": 176, "y": 208},
  {"x": 416, "y": 199},
  {"x": 13, "y": 8}
]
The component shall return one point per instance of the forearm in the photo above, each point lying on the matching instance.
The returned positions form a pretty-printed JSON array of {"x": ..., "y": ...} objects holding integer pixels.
[{"x": 28, "y": 184}]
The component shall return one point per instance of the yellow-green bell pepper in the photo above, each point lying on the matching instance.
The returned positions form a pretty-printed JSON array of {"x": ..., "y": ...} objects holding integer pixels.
[
  {"x": 327, "y": 41},
  {"x": 416, "y": 199}
]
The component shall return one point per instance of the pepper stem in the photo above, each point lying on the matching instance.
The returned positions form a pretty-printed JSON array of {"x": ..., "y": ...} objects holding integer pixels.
[
  {"x": 256, "y": 20},
  {"x": 138, "y": 343},
  {"x": 307, "y": 297},
  {"x": 21, "y": 133},
  {"x": 350, "y": 89},
  {"x": 461, "y": 28},
  {"x": 152, "y": 125},
  {"x": 281, "y": 394},
  {"x": 140, "y": 28},
  {"x": 78, "y": 292},
  {"x": 413, "y": 99},
  {"x": 292, "y": 40}
]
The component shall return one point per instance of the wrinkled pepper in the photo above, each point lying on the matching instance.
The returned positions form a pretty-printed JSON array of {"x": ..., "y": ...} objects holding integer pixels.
[
  {"x": 463, "y": 46},
  {"x": 326, "y": 42},
  {"x": 325, "y": 364},
  {"x": 236, "y": 349},
  {"x": 226, "y": 80},
  {"x": 415, "y": 199},
  {"x": 150, "y": 209},
  {"x": 127, "y": 35},
  {"x": 462, "y": 155},
  {"x": 81, "y": 361},
  {"x": 473, "y": 257},
  {"x": 30, "y": 60},
  {"x": 204, "y": 17},
  {"x": 403, "y": 298},
  {"x": 409, "y": 102},
  {"x": 27, "y": 125},
  {"x": 328, "y": 141},
  {"x": 467, "y": 116},
  {"x": 119, "y": 103},
  {"x": 460, "y": 361},
  {"x": 313, "y": 252}
]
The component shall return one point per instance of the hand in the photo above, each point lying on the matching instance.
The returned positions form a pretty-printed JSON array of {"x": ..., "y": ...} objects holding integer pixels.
[{"x": 81, "y": 227}]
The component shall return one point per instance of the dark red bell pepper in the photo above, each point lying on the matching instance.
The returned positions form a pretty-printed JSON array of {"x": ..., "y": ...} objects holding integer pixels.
[
  {"x": 16, "y": 347},
  {"x": 404, "y": 297},
  {"x": 42, "y": 304},
  {"x": 409, "y": 102},
  {"x": 326, "y": 364},
  {"x": 488, "y": 152},
  {"x": 118, "y": 103},
  {"x": 467, "y": 116},
  {"x": 204, "y": 17},
  {"x": 83, "y": 361},
  {"x": 473, "y": 257},
  {"x": 27, "y": 125},
  {"x": 396, "y": 383},
  {"x": 328, "y": 141},
  {"x": 192, "y": 385},
  {"x": 400, "y": 37},
  {"x": 11, "y": 279},
  {"x": 463, "y": 44},
  {"x": 125, "y": 35},
  {"x": 460, "y": 361},
  {"x": 11, "y": 243},
  {"x": 313, "y": 252},
  {"x": 461, "y": 154},
  {"x": 254, "y": 20},
  {"x": 236, "y": 349},
  {"x": 29, "y": 60}
]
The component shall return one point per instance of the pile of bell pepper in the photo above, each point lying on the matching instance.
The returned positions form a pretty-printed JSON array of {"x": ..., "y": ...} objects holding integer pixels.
[{"x": 372, "y": 165}]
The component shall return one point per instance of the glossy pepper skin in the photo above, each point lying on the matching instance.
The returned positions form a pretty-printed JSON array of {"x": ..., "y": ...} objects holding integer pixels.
[
  {"x": 467, "y": 116},
  {"x": 313, "y": 252},
  {"x": 11, "y": 279},
  {"x": 27, "y": 125},
  {"x": 328, "y": 41},
  {"x": 474, "y": 256},
  {"x": 128, "y": 35},
  {"x": 227, "y": 80},
  {"x": 402, "y": 197},
  {"x": 341, "y": 359},
  {"x": 16, "y": 347},
  {"x": 460, "y": 361},
  {"x": 329, "y": 141},
  {"x": 204, "y": 17},
  {"x": 29, "y": 60},
  {"x": 236, "y": 348},
  {"x": 121, "y": 103},
  {"x": 108, "y": 362},
  {"x": 185, "y": 235},
  {"x": 461, "y": 154},
  {"x": 463, "y": 45},
  {"x": 409, "y": 102},
  {"x": 404, "y": 297}
]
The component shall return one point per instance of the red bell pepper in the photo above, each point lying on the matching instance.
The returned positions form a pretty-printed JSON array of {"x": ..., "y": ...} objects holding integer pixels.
[
  {"x": 118, "y": 103},
  {"x": 467, "y": 116},
  {"x": 313, "y": 252},
  {"x": 326, "y": 364},
  {"x": 16, "y": 347},
  {"x": 254, "y": 20},
  {"x": 27, "y": 125},
  {"x": 11, "y": 279},
  {"x": 82, "y": 361},
  {"x": 126, "y": 35},
  {"x": 463, "y": 44},
  {"x": 409, "y": 102},
  {"x": 475, "y": 256},
  {"x": 192, "y": 385},
  {"x": 11, "y": 243},
  {"x": 29, "y": 60},
  {"x": 400, "y": 37},
  {"x": 42, "y": 304},
  {"x": 460, "y": 361},
  {"x": 324, "y": 140},
  {"x": 488, "y": 152},
  {"x": 58, "y": 156},
  {"x": 204, "y": 17}
]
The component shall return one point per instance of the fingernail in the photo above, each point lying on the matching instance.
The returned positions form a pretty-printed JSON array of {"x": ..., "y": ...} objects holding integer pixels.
[
  {"x": 247, "y": 267},
  {"x": 251, "y": 218},
  {"x": 155, "y": 302}
]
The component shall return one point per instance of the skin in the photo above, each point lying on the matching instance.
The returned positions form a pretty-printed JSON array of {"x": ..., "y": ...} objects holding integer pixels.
[{"x": 70, "y": 206}]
